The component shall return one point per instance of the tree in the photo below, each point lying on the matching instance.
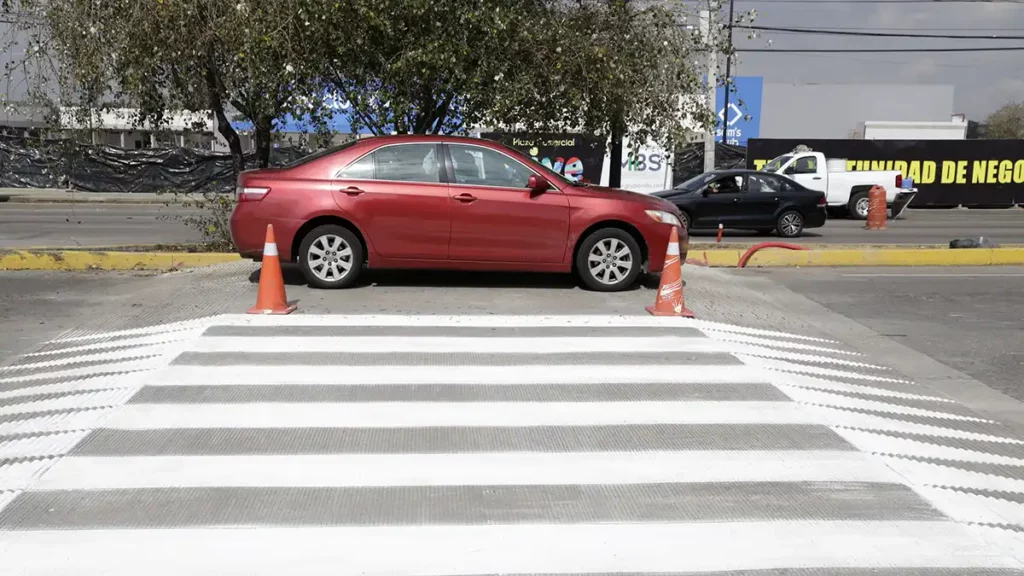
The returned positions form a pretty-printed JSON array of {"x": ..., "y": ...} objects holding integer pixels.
[
  {"x": 430, "y": 66},
  {"x": 173, "y": 55},
  {"x": 1006, "y": 122}
]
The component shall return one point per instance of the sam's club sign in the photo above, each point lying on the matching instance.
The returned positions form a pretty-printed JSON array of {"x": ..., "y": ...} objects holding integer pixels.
[{"x": 742, "y": 121}]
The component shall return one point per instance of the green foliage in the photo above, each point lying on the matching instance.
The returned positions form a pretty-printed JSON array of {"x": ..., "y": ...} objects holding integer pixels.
[
  {"x": 1007, "y": 122},
  {"x": 209, "y": 214}
]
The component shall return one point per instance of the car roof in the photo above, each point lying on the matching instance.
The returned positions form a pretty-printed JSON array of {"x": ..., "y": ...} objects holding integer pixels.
[{"x": 411, "y": 138}]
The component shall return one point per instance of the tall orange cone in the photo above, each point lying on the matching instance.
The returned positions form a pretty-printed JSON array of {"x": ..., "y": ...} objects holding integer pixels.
[
  {"x": 271, "y": 298},
  {"x": 669, "y": 301}
]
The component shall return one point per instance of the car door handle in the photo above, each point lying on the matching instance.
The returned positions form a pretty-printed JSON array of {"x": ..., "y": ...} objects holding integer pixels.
[
  {"x": 353, "y": 191},
  {"x": 735, "y": 199},
  {"x": 816, "y": 178},
  {"x": 467, "y": 198}
]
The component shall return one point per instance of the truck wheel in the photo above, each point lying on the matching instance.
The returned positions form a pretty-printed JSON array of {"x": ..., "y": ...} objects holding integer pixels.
[
  {"x": 859, "y": 206},
  {"x": 790, "y": 224}
]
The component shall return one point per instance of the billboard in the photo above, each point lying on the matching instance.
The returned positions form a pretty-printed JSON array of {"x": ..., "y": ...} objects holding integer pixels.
[
  {"x": 945, "y": 172},
  {"x": 742, "y": 121},
  {"x": 575, "y": 156},
  {"x": 648, "y": 171}
]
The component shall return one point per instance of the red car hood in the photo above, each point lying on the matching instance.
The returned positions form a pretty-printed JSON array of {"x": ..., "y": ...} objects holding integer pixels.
[{"x": 604, "y": 192}]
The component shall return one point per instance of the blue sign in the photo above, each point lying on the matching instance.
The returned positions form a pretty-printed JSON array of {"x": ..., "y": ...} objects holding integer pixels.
[
  {"x": 337, "y": 119},
  {"x": 337, "y": 115},
  {"x": 742, "y": 120}
]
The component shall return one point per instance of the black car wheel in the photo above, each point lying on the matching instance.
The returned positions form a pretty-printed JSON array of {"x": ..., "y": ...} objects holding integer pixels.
[
  {"x": 331, "y": 256},
  {"x": 608, "y": 260},
  {"x": 684, "y": 219},
  {"x": 790, "y": 224}
]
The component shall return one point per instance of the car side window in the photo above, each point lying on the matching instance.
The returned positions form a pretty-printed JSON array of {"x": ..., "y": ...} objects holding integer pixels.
[
  {"x": 478, "y": 166},
  {"x": 361, "y": 169},
  {"x": 804, "y": 165},
  {"x": 759, "y": 184},
  {"x": 727, "y": 185},
  {"x": 407, "y": 163}
]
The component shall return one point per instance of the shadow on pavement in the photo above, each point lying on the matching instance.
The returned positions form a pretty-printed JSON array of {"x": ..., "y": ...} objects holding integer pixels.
[{"x": 450, "y": 279}]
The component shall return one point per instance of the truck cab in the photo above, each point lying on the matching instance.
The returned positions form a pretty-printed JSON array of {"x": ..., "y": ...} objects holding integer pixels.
[{"x": 844, "y": 190}]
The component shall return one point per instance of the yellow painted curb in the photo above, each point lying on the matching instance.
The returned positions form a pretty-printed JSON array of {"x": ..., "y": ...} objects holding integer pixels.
[
  {"x": 775, "y": 257},
  {"x": 99, "y": 260}
]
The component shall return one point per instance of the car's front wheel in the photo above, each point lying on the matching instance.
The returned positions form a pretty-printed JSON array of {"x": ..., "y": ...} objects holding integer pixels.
[
  {"x": 331, "y": 256},
  {"x": 608, "y": 260}
]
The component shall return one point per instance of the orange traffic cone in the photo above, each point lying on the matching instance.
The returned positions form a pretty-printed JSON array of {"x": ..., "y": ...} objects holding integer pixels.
[
  {"x": 669, "y": 301},
  {"x": 271, "y": 298}
]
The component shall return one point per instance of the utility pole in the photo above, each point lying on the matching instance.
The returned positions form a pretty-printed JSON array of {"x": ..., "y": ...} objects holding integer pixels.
[
  {"x": 728, "y": 74},
  {"x": 707, "y": 31}
]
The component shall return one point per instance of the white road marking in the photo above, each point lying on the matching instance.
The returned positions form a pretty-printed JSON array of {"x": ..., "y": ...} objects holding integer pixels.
[
  {"x": 421, "y": 414},
  {"x": 111, "y": 473},
  {"x": 501, "y": 549},
  {"x": 453, "y": 344},
  {"x": 184, "y": 375},
  {"x": 950, "y": 275}
]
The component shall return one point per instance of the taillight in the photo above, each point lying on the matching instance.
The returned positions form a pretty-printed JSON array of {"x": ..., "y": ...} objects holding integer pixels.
[
  {"x": 899, "y": 180},
  {"x": 250, "y": 193},
  {"x": 821, "y": 200}
]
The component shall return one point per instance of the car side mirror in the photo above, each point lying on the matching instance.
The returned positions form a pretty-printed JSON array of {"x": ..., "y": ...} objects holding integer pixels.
[
  {"x": 536, "y": 184},
  {"x": 791, "y": 170},
  {"x": 705, "y": 192}
]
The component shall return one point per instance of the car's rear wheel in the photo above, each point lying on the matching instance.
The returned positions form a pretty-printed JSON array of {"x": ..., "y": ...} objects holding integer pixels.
[
  {"x": 331, "y": 256},
  {"x": 790, "y": 224},
  {"x": 859, "y": 203},
  {"x": 684, "y": 219},
  {"x": 608, "y": 260}
]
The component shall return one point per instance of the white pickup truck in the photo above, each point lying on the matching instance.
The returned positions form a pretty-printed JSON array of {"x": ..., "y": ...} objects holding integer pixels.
[{"x": 847, "y": 190}]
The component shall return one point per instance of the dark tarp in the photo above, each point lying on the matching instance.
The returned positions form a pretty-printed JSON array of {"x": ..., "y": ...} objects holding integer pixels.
[
  {"x": 63, "y": 164},
  {"x": 688, "y": 161}
]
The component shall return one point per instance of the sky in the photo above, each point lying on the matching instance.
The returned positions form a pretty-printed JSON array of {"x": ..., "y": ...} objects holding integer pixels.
[{"x": 983, "y": 81}]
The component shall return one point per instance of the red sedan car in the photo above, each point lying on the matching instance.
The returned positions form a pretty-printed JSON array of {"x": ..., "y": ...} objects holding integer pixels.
[{"x": 446, "y": 202}]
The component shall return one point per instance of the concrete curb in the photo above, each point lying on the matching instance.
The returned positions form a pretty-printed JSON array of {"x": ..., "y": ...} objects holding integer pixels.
[
  {"x": 102, "y": 260},
  {"x": 56, "y": 259},
  {"x": 771, "y": 257}
]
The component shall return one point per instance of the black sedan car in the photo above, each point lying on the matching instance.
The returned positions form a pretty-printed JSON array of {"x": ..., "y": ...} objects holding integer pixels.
[{"x": 747, "y": 199}]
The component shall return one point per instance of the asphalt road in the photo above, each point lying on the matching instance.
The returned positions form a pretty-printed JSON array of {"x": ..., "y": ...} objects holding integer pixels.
[
  {"x": 970, "y": 319},
  {"x": 69, "y": 225}
]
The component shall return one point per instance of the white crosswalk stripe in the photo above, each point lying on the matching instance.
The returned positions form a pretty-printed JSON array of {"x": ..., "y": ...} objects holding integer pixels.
[{"x": 446, "y": 445}]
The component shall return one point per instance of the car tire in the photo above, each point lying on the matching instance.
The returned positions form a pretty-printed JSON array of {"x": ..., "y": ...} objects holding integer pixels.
[
  {"x": 684, "y": 219},
  {"x": 858, "y": 207},
  {"x": 339, "y": 247},
  {"x": 608, "y": 274},
  {"x": 790, "y": 224}
]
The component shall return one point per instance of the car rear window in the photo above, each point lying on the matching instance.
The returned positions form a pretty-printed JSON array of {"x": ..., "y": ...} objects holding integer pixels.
[{"x": 320, "y": 154}]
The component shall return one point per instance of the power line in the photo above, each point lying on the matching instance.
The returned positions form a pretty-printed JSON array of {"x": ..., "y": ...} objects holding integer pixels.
[
  {"x": 836, "y": 32},
  {"x": 879, "y": 50},
  {"x": 877, "y": 61}
]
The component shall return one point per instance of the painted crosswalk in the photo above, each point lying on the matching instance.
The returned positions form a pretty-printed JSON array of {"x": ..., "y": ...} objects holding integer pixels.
[{"x": 471, "y": 445}]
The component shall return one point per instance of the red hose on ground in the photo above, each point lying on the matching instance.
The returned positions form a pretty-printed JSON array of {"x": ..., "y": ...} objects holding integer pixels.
[{"x": 746, "y": 255}]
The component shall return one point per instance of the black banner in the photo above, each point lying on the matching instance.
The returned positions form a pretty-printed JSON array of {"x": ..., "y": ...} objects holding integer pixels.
[
  {"x": 945, "y": 172},
  {"x": 66, "y": 164},
  {"x": 575, "y": 156}
]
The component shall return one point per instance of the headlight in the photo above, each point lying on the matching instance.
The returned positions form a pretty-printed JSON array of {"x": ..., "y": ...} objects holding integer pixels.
[{"x": 664, "y": 217}]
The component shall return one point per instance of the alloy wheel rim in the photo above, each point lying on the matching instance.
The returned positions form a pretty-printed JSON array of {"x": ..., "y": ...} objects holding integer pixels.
[
  {"x": 330, "y": 258},
  {"x": 790, "y": 224},
  {"x": 862, "y": 206},
  {"x": 610, "y": 261}
]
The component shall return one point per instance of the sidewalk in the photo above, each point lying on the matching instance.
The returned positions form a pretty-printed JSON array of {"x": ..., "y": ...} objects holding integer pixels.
[{"x": 57, "y": 195}]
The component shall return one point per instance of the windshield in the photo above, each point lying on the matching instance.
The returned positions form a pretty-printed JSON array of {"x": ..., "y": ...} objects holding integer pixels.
[
  {"x": 548, "y": 172},
  {"x": 776, "y": 164},
  {"x": 318, "y": 155},
  {"x": 697, "y": 182}
]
